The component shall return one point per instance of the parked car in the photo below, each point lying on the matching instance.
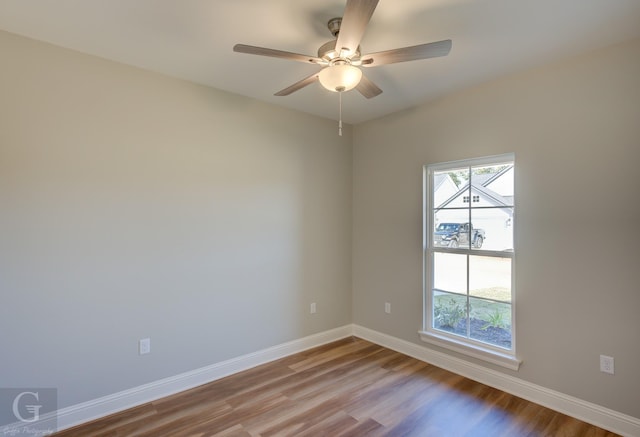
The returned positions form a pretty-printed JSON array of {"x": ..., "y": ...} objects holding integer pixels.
[{"x": 458, "y": 234}]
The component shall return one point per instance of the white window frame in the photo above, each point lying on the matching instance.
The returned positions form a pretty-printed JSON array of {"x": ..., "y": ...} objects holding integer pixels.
[{"x": 483, "y": 351}]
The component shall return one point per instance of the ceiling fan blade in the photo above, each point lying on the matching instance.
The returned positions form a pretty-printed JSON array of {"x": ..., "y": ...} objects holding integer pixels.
[
  {"x": 422, "y": 51},
  {"x": 298, "y": 85},
  {"x": 253, "y": 50},
  {"x": 356, "y": 16},
  {"x": 368, "y": 88}
]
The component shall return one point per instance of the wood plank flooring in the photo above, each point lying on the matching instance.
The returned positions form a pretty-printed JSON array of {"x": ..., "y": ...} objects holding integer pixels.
[{"x": 347, "y": 388}]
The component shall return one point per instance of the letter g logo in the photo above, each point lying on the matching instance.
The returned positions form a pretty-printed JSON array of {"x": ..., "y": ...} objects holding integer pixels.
[{"x": 33, "y": 409}]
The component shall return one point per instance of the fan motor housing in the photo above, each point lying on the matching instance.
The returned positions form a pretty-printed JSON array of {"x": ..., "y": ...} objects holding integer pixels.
[{"x": 327, "y": 51}]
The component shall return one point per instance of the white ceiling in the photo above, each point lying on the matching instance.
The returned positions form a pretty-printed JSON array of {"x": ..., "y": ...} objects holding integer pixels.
[{"x": 193, "y": 40}]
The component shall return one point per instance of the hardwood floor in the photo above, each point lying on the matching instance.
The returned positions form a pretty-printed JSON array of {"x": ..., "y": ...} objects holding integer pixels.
[{"x": 347, "y": 388}]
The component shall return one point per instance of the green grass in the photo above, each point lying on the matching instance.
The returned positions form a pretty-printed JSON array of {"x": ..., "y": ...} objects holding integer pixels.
[
  {"x": 480, "y": 308},
  {"x": 497, "y": 293}
]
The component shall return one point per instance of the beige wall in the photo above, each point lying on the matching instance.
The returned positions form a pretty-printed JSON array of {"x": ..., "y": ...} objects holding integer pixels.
[
  {"x": 135, "y": 205},
  {"x": 575, "y": 129}
]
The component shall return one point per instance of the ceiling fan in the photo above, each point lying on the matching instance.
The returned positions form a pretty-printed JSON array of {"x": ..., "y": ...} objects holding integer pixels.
[{"x": 341, "y": 57}]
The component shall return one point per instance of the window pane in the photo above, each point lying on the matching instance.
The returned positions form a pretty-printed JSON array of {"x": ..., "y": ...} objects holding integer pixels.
[
  {"x": 492, "y": 229},
  {"x": 490, "y": 278},
  {"x": 450, "y": 312},
  {"x": 450, "y": 272},
  {"x": 493, "y": 181},
  {"x": 446, "y": 184},
  {"x": 490, "y": 322},
  {"x": 452, "y": 198}
]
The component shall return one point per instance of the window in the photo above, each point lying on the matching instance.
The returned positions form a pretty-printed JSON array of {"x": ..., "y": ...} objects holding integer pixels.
[{"x": 469, "y": 258}]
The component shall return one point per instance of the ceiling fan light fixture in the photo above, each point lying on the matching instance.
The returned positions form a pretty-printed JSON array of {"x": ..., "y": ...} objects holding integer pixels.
[{"x": 340, "y": 77}]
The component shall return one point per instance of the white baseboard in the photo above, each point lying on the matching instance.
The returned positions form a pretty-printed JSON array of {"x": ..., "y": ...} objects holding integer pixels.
[
  {"x": 94, "y": 409},
  {"x": 586, "y": 411},
  {"x": 595, "y": 414}
]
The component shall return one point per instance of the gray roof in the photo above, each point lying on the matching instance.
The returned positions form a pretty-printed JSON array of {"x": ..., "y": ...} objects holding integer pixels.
[
  {"x": 479, "y": 184},
  {"x": 439, "y": 179}
]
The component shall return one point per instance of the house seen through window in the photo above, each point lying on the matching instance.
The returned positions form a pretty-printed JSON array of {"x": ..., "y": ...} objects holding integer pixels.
[{"x": 469, "y": 253}]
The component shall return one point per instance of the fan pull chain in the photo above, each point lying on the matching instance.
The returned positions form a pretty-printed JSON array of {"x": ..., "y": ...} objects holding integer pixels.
[{"x": 340, "y": 121}]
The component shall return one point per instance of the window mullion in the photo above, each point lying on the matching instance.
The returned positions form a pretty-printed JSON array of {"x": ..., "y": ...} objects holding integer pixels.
[{"x": 468, "y": 248}]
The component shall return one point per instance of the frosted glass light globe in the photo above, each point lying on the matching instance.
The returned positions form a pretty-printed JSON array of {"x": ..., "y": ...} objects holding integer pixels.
[{"x": 340, "y": 77}]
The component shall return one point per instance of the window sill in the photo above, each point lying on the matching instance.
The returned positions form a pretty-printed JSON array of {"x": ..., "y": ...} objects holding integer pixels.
[{"x": 494, "y": 357}]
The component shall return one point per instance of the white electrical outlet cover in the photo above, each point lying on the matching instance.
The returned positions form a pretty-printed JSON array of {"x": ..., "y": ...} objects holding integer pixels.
[
  {"x": 144, "y": 346},
  {"x": 606, "y": 364}
]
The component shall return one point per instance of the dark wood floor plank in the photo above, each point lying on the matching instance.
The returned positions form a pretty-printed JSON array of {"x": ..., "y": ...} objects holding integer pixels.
[
  {"x": 348, "y": 388},
  {"x": 339, "y": 379},
  {"x": 298, "y": 380},
  {"x": 331, "y": 425},
  {"x": 270, "y": 409},
  {"x": 314, "y": 402},
  {"x": 328, "y": 355},
  {"x": 394, "y": 391},
  {"x": 234, "y": 431},
  {"x": 107, "y": 426},
  {"x": 369, "y": 428}
]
